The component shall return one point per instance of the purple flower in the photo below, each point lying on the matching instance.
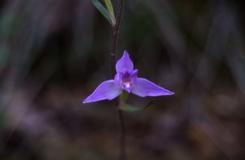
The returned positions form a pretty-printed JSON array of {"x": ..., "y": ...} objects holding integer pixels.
[{"x": 126, "y": 79}]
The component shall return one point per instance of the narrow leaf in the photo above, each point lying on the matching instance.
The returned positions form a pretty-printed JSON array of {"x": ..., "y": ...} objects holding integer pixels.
[
  {"x": 102, "y": 10},
  {"x": 109, "y": 7}
]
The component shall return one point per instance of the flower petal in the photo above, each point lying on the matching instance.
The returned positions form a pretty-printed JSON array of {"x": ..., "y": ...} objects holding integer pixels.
[
  {"x": 124, "y": 63},
  {"x": 107, "y": 90},
  {"x": 143, "y": 87}
]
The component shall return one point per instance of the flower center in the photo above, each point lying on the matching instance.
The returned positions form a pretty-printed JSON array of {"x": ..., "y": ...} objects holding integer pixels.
[
  {"x": 127, "y": 85},
  {"x": 127, "y": 81}
]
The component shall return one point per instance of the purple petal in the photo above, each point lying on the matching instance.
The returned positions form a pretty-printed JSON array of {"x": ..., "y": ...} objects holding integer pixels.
[
  {"x": 107, "y": 90},
  {"x": 143, "y": 87},
  {"x": 124, "y": 63}
]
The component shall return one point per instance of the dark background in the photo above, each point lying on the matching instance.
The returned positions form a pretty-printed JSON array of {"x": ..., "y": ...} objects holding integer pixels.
[{"x": 53, "y": 53}]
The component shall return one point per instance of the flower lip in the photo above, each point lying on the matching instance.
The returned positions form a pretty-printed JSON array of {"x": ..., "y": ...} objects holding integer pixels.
[{"x": 127, "y": 84}]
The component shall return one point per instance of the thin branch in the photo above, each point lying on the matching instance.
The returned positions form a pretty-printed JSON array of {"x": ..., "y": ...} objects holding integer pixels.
[
  {"x": 115, "y": 35},
  {"x": 123, "y": 155}
]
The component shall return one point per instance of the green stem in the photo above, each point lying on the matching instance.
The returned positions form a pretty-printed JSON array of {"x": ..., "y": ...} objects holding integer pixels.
[
  {"x": 115, "y": 33},
  {"x": 123, "y": 155}
]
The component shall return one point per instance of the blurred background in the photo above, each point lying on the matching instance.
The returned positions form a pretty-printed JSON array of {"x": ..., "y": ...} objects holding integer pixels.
[{"x": 53, "y": 53}]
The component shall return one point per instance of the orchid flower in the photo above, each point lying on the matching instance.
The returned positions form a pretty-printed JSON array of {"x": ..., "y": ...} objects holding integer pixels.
[{"x": 126, "y": 79}]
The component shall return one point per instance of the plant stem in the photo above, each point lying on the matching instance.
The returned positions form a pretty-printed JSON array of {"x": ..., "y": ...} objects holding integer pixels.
[
  {"x": 123, "y": 155},
  {"x": 115, "y": 33}
]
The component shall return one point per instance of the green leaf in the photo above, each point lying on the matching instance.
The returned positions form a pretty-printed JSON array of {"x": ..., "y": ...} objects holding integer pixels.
[
  {"x": 102, "y": 10},
  {"x": 109, "y": 7},
  {"x": 130, "y": 108}
]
